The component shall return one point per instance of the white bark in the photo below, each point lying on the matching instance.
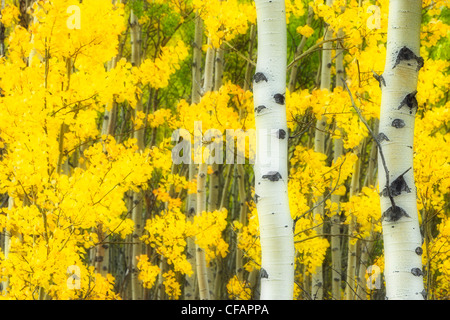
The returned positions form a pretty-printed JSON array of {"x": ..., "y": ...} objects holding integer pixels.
[
  {"x": 352, "y": 247},
  {"x": 319, "y": 146},
  {"x": 402, "y": 239},
  {"x": 271, "y": 174},
  {"x": 137, "y": 289},
  {"x": 7, "y": 245},
  {"x": 336, "y": 252},
  {"x": 190, "y": 283},
  {"x": 201, "y": 265}
]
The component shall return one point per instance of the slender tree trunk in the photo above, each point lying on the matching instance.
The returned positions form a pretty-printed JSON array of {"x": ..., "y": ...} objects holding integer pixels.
[
  {"x": 336, "y": 252},
  {"x": 242, "y": 218},
  {"x": 136, "y": 286},
  {"x": 401, "y": 234},
  {"x": 249, "y": 66},
  {"x": 7, "y": 245},
  {"x": 319, "y": 146},
  {"x": 271, "y": 174},
  {"x": 350, "y": 288},
  {"x": 190, "y": 282},
  {"x": 214, "y": 179},
  {"x": 110, "y": 111},
  {"x": 102, "y": 252},
  {"x": 366, "y": 246},
  {"x": 202, "y": 268}
]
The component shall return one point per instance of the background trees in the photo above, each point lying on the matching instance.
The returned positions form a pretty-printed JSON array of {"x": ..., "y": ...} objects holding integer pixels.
[{"x": 73, "y": 171}]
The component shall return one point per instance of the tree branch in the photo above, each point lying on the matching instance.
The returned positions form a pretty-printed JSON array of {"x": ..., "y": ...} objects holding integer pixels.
[{"x": 380, "y": 150}]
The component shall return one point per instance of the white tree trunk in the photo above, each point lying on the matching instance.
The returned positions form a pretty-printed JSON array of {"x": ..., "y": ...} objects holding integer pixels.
[
  {"x": 401, "y": 234},
  {"x": 190, "y": 281},
  {"x": 336, "y": 252},
  {"x": 319, "y": 146},
  {"x": 201, "y": 265},
  {"x": 271, "y": 174},
  {"x": 7, "y": 245},
  {"x": 137, "y": 288}
]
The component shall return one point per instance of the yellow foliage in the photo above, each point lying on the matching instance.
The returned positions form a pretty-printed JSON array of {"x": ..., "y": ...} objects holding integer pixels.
[
  {"x": 224, "y": 20},
  {"x": 238, "y": 290},
  {"x": 147, "y": 272}
]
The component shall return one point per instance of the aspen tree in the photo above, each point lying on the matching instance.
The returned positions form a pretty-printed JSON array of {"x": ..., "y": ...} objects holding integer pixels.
[
  {"x": 190, "y": 283},
  {"x": 137, "y": 205},
  {"x": 366, "y": 246},
  {"x": 202, "y": 269},
  {"x": 110, "y": 111},
  {"x": 352, "y": 246},
  {"x": 271, "y": 175},
  {"x": 336, "y": 251},
  {"x": 319, "y": 146},
  {"x": 214, "y": 179},
  {"x": 103, "y": 250},
  {"x": 401, "y": 233}
]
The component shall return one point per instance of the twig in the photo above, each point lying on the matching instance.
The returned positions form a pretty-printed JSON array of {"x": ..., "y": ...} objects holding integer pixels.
[
  {"x": 310, "y": 50},
  {"x": 324, "y": 198},
  {"x": 380, "y": 150}
]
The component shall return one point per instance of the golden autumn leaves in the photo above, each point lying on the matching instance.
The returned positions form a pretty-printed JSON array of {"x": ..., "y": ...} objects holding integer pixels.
[{"x": 54, "y": 215}]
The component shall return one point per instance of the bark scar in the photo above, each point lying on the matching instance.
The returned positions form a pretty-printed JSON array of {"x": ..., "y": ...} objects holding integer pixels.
[
  {"x": 281, "y": 134},
  {"x": 258, "y": 109},
  {"x": 410, "y": 101},
  {"x": 259, "y": 76},
  {"x": 394, "y": 214},
  {"x": 279, "y": 98},
  {"x": 398, "y": 123},
  {"x": 407, "y": 54},
  {"x": 397, "y": 186},
  {"x": 382, "y": 137},
  {"x": 264, "y": 274},
  {"x": 416, "y": 272},
  {"x": 272, "y": 176}
]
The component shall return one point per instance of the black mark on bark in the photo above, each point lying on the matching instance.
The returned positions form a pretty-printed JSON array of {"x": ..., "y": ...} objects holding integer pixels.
[
  {"x": 410, "y": 101},
  {"x": 281, "y": 134},
  {"x": 382, "y": 137},
  {"x": 419, "y": 251},
  {"x": 398, "y": 123},
  {"x": 264, "y": 274},
  {"x": 417, "y": 272},
  {"x": 424, "y": 294},
  {"x": 279, "y": 98},
  {"x": 258, "y": 109},
  {"x": 272, "y": 176},
  {"x": 406, "y": 54},
  {"x": 397, "y": 186},
  {"x": 394, "y": 214},
  {"x": 259, "y": 76}
]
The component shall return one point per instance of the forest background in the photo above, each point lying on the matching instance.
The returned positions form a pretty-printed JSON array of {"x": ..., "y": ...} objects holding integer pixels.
[{"x": 93, "y": 205}]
